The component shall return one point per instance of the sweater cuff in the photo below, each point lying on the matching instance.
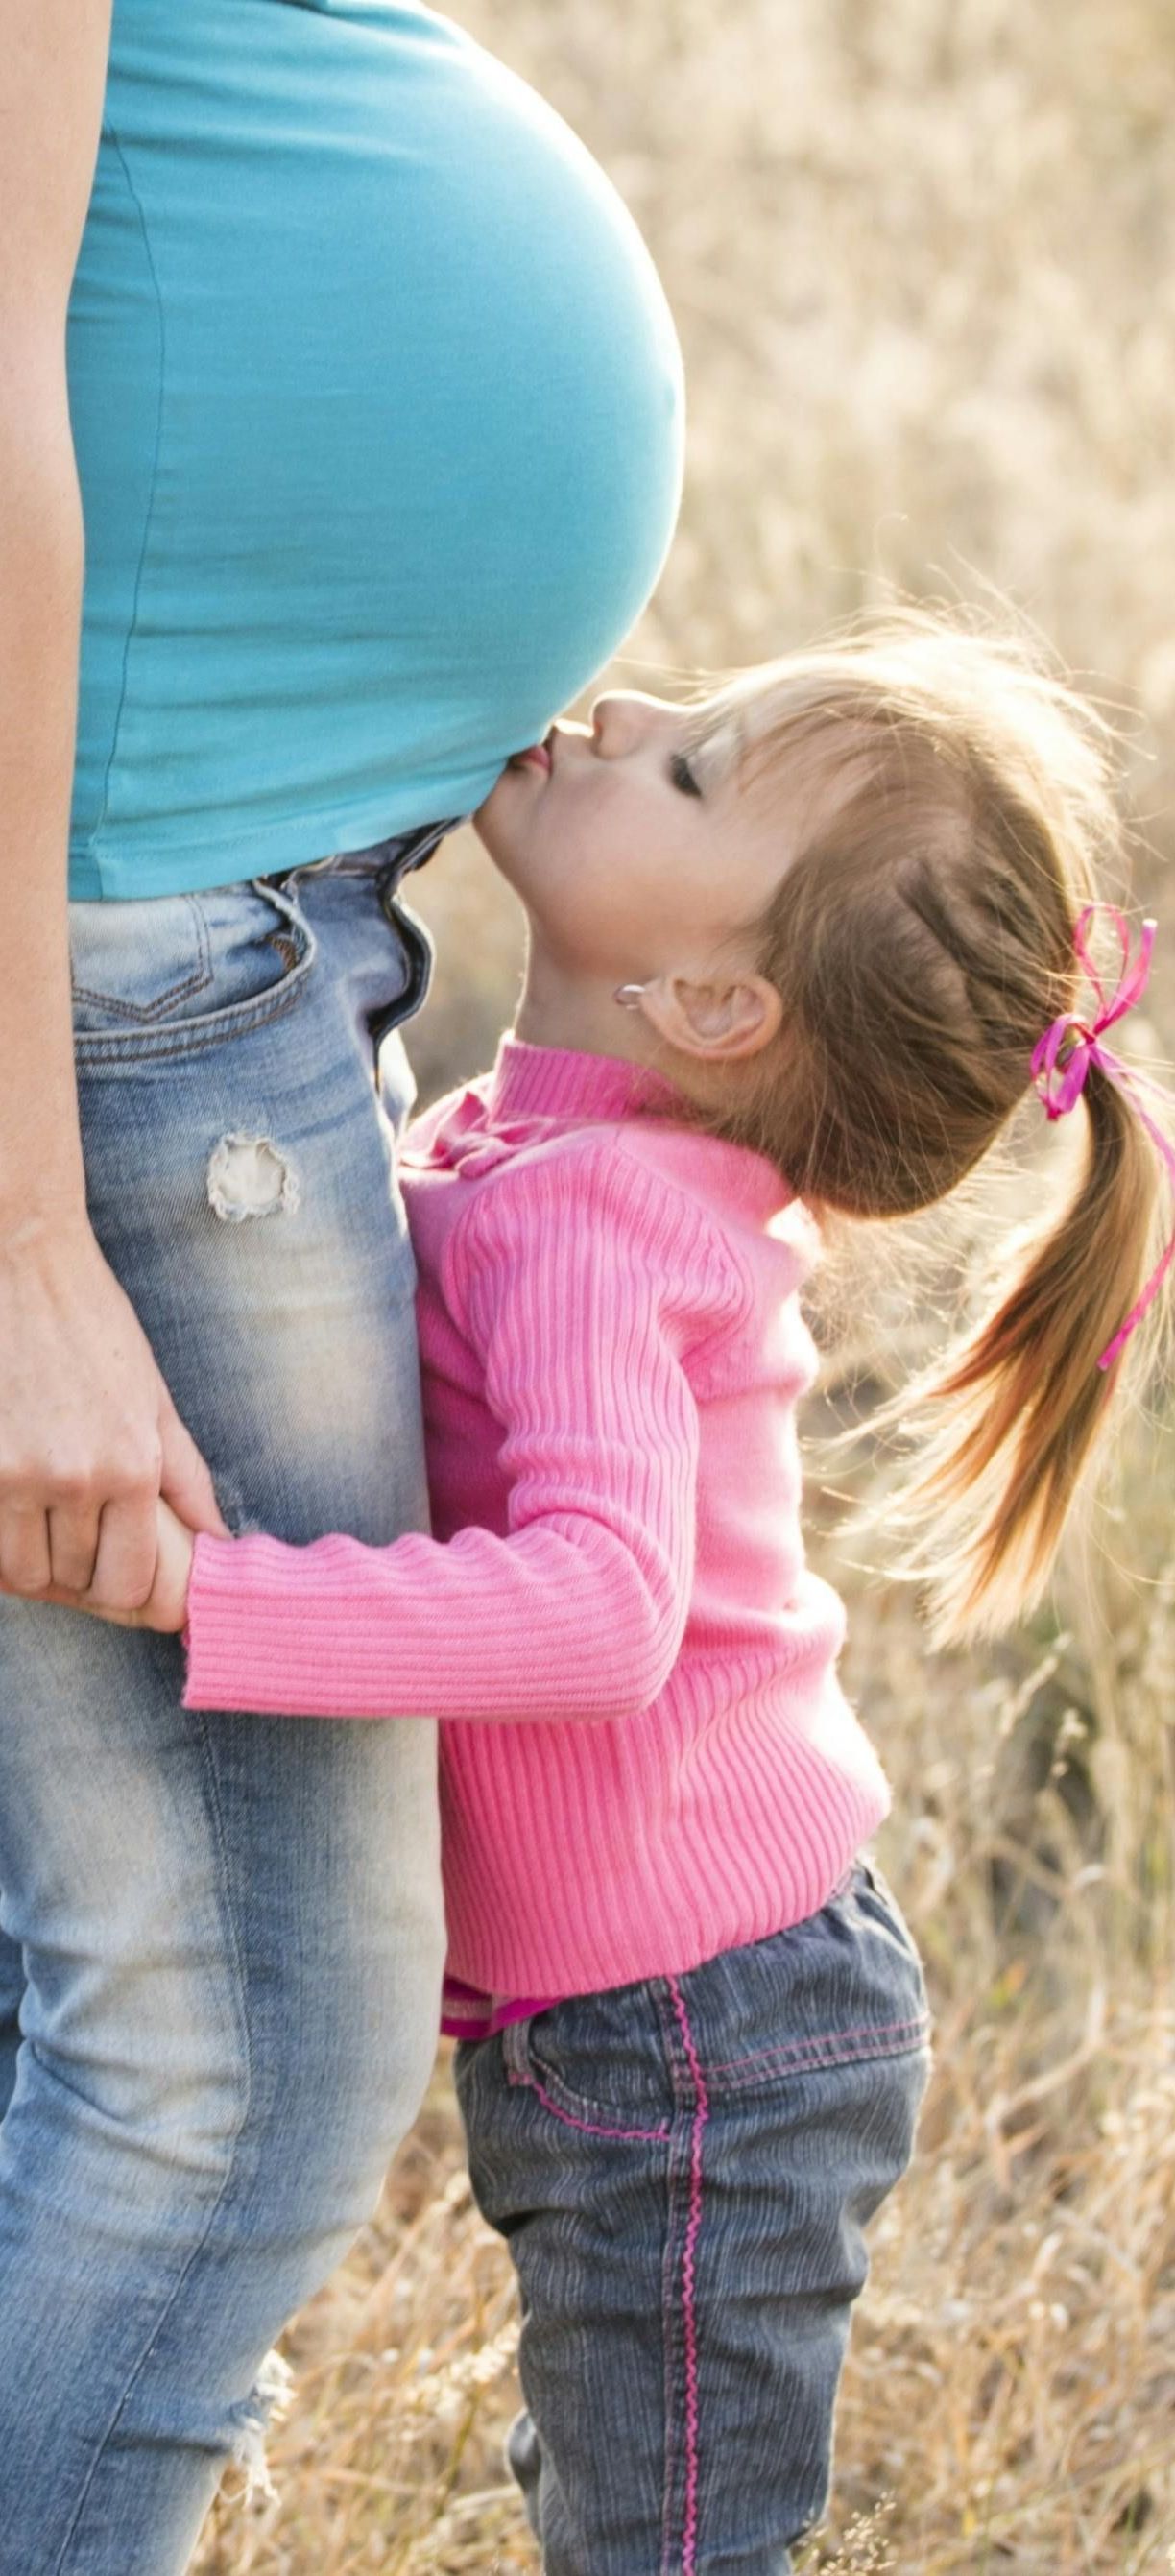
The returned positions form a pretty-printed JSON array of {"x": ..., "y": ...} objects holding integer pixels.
[{"x": 244, "y": 1650}]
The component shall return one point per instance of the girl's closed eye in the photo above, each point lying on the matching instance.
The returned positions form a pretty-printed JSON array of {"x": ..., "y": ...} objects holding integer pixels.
[{"x": 682, "y": 774}]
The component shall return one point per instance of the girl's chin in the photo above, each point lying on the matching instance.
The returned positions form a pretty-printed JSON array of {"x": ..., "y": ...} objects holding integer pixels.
[
  {"x": 493, "y": 831},
  {"x": 485, "y": 818},
  {"x": 505, "y": 784}
]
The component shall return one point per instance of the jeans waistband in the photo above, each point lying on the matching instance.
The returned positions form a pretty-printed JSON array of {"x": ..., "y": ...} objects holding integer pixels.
[{"x": 391, "y": 859}]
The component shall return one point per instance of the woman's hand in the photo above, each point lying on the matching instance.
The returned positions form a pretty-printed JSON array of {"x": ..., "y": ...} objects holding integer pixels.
[
  {"x": 166, "y": 1605},
  {"x": 89, "y": 1436}
]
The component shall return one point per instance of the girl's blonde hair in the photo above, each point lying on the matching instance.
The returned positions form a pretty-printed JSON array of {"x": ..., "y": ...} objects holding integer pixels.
[{"x": 951, "y": 810}]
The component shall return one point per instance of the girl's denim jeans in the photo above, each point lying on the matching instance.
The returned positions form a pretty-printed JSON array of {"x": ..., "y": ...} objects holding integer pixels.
[
  {"x": 221, "y": 1936},
  {"x": 682, "y": 2170}
]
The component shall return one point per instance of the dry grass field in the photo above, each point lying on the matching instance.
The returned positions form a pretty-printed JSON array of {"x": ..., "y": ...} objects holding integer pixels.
[{"x": 922, "y": 256}]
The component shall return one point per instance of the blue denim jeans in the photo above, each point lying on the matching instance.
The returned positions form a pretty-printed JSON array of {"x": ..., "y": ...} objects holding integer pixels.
[
  {"x": 682, "y": 2170},
  {"x": 221, "y": 1937}
]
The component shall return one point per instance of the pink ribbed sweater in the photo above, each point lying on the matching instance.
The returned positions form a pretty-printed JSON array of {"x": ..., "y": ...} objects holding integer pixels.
[{"x": 648, "y": 1758}]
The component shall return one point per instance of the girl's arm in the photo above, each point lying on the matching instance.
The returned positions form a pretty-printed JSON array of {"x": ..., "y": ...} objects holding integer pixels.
[
  {"x": 87, "y": 1428},
  {"x": 576, "y": 1278}
]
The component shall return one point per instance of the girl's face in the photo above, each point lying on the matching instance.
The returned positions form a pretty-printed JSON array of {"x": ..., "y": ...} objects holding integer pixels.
[{"x": 629, "y": 843}]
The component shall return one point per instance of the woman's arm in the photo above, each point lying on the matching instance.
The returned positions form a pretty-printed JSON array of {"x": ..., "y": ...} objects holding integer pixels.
[
  {"x": 579, "y": 1290},
  {"x": 88, "y": 1433}
]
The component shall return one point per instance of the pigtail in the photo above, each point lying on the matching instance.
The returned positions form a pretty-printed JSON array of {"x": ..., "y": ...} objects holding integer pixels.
[
  {"x": 1003, "y": 1427},
  {"x": 951, "y": 833}
]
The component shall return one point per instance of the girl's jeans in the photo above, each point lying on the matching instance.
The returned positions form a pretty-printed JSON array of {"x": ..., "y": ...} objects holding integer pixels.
[
  {"x": 682, "y": 2170},
  {"x": 221, "y": 1936}
]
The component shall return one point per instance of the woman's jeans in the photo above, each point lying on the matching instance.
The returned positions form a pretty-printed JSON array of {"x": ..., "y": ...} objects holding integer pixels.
[
  {"x": 682, "y": 2170},
  {"x": 222, "y": 1936}
]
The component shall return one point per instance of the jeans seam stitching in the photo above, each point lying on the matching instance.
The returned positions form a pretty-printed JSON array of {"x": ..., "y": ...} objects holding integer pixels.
[
  {"x": 671, "y": 2361},
  {"x": 700, "y": 2117},
  {"x": 144, "y": 1012},
  {"x": 99, "y": 1049},
  {"x": 198, "y": 2248},
  {"x": 793, "y": 2051},
  {"x": 590, "y": 2128}
]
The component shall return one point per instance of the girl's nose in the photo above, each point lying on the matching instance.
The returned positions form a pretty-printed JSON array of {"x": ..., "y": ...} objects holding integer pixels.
[{"x": 621, "y": 720}]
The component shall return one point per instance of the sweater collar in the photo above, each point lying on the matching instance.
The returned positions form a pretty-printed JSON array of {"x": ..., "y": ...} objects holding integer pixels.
[
  {"x": 565, "y": 1086},
  {"x": 533, "y": 1092}
]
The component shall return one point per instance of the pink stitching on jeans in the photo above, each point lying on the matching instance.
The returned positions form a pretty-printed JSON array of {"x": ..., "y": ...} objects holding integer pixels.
[
  {"x": 821, "y": 2039},
  {"x": 590, "y": 2128},
  {"x": 689, "y": 2309}
]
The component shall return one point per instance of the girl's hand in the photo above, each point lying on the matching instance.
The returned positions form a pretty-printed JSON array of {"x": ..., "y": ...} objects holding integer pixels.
[{"x": 166, "y": 1605}]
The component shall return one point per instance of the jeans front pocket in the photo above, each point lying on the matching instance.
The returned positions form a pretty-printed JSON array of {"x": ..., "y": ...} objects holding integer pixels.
[
  {"x": 176, "y": 973},
  {"x": 597, "y": 2062}
]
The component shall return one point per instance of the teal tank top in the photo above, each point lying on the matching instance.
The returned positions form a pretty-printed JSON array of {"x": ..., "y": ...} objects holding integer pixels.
[{"x": 377, "y": 409}]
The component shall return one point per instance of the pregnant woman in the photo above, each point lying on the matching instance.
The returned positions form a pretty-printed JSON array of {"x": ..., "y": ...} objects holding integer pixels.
[{"x": 355, "y": 374}]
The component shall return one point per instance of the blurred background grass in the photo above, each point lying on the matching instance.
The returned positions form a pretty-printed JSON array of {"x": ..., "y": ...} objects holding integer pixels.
[{"x": 922, "y": 258}]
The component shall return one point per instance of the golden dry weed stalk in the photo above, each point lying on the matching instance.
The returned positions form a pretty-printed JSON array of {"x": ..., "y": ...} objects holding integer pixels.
[{"x": 921, "y": 256}]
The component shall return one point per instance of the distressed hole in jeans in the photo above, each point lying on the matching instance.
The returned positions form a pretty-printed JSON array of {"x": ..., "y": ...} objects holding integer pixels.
[
  {"x": 250, "y": 1176},
  {"x": 268, "y": 2401}
]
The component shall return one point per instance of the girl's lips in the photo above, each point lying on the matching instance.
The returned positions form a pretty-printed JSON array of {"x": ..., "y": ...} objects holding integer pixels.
[{"x": 536, "y": 757}]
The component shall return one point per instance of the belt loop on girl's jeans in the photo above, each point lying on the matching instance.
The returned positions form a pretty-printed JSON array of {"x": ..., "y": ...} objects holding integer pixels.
[{"x": 516, "y": 2048}]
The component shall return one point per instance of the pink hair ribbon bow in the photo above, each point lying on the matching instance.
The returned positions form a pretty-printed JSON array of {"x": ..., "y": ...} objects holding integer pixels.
[{"x": 1062, "y": 1057}]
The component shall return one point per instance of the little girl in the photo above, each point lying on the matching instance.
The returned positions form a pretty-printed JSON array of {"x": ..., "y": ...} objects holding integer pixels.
[{"x": 802, "y": 947}]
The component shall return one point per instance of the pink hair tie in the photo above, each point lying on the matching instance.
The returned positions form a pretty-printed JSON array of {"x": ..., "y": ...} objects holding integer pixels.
[{"x": 1062, "y": 1057}]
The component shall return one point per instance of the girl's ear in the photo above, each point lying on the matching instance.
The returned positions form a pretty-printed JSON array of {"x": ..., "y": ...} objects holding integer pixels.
[{"x": 715, "y": 1022}]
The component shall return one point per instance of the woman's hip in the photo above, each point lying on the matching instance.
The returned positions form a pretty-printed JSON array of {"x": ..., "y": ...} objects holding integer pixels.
[{"x": 241, "y": 1183}]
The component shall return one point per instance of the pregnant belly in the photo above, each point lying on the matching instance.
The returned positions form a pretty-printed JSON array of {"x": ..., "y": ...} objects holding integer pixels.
[{"x": 376, "y": 401}]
